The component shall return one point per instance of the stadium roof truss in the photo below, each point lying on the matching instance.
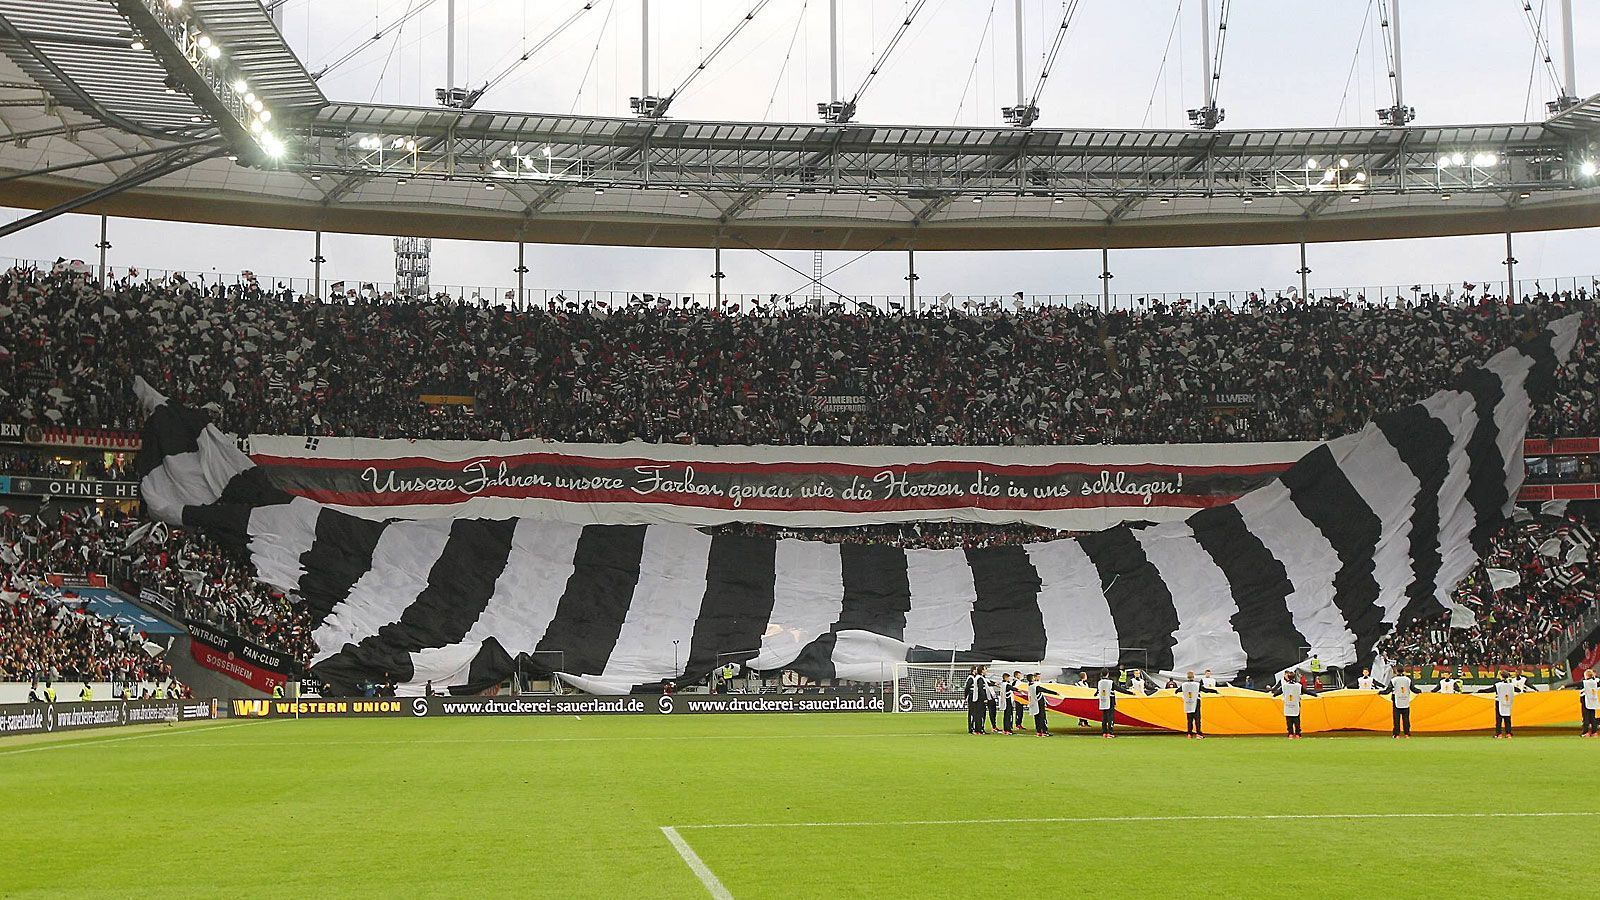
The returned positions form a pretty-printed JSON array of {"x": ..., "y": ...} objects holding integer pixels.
[{"x": 104, "y": 85}]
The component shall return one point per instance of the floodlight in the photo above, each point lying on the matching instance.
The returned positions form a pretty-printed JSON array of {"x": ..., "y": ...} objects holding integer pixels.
[{"x": 1587, "y": 169}]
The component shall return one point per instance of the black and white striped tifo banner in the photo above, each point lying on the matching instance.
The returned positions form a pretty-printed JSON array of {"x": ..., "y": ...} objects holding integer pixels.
[{"x": 1360, "y": 533}]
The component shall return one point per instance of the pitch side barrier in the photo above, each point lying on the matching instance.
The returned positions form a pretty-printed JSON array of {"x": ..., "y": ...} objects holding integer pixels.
[
  {"x": 447, "y": 707},
  {"x": 44, "y": 718}
]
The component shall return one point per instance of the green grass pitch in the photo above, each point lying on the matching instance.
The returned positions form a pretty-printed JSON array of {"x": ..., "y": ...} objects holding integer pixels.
[{"x": 823, "y": 806}]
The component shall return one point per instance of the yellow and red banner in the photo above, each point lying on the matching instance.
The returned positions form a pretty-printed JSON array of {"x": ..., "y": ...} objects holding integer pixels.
[{"x": 1238, "y": 711}]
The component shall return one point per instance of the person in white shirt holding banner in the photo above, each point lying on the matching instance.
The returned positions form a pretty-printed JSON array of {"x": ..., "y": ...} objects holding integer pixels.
[
  {"x": 1366, "y": 682},
  {"x": 1292, "y": 691},
  {"x": 1190, "y": 690},
  {"x": 1036, "y": 704},
  {"x": 1589, "y": 694},
  {"x": 1505, "y": 693},
  {"x": 1402, "y": 690},
  {"x": 1449, "y": 685},
  {"x": 1105, "y": 695}
]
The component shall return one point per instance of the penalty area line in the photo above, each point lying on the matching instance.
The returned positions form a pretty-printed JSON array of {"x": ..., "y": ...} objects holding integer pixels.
[
  {"x": 1086, "y": 820},
  {"x": 698, "y": 866}
]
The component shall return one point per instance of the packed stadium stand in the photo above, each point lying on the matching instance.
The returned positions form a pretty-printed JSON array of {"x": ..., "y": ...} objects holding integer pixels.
[
  {"x": 273, "y": 363},
  {"x": 265, "y": 361}
]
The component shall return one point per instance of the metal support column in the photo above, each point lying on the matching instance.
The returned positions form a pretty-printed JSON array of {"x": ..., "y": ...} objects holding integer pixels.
[
  {"x": 450, "y": 47},
  {"x": 1511, "y": 272},
  {"x": 1105, "y": 279},
  {"x": 1394, "y": 34},
  {"x": 833, "y": 51},
  {"x": 1303, "y": 271},
  {"x": 316, "y": 262},
  {"x": 1022, "y": 98},
  {"x": 522, "y": 271},
  {"x": 103, "y": 246},
  {"x": 644, "y": 48},
  {"x": 1569, "y": 64},
  {"x": 716, "y": 275},
  {"x": 911, "y": 280}
]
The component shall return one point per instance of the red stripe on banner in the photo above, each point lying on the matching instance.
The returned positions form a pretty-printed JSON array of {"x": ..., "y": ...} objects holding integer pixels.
[
  {"x": 1538, "y": 493},
  {"x": 786, "y": 468},
  {"x": 798, "y": 504}
]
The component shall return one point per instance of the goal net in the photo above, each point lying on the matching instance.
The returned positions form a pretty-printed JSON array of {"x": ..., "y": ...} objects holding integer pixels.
[{"x": 937, "y": 687}]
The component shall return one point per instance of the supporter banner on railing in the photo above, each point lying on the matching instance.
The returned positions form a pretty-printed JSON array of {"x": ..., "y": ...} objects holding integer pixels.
[
  {"x": 237, "y": 658},
  {"x": 40, "y": 718},
  {"x": 1060, "y": 487},
  {"x": 566, "y": 705},
  {"x": 67, "y": 488}
]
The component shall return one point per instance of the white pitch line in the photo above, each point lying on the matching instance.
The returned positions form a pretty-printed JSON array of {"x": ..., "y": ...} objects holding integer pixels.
[
  {"x": 569, "y": 740},
  {"x": 67, "y": 745},
  {"x": 696, "y": 865},
  {"x": 1084, "y": 820}
]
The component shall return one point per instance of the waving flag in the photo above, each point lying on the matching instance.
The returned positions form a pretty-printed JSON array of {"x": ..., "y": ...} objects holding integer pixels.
[{"x": 1363, "y": 532}]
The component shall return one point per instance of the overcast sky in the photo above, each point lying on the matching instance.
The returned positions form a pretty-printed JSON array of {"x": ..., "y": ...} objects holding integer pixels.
[{"x": 1132, "y": 63}]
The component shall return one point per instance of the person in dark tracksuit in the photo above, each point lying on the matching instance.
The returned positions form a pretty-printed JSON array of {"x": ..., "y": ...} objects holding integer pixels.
[
  {"x": 1190, "y": 690},
  {"x": 977, "y": 694},
  {"x": 1589, "y": 701},
  {"x": 1011, "y": 712},
  {"x": 991, "y": 703}
]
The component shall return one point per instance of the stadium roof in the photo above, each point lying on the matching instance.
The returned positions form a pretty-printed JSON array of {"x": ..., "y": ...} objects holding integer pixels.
[{"x": 117, "y": 107}]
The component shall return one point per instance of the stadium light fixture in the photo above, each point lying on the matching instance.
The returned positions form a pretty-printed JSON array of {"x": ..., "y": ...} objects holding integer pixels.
[
  {"x": 1058, "y": 200},
  {"x": 1312, "y": 163},
  {"x": 488, "y": 187},
  {"x": 1165, "y": 201},
  {"x": 213, "y": 52},
  {"x": 1484, "y": 160},
  {"x": 1344, "y": 163},
  {"x": 137, "y": 44},
  {"x": 497, "y": 164},
  {"x": 1587, "y": 169},
  {"x": 174, "y": 4},
  {"x": 1361, "y": 177},
  {"x": 683, "y": 193},
  {"x": 1524, "y": 195},
  {"x": 872, "y": 198},
  {"x": 599, "y": 190},
  {"x": 1457, "y": 159},
  {"x": 977, "y": 199},
  {"x": 265, "y": 115},
  {"x": 240, "y": 86},
  {"x": 1249, "y": 200},
  {"x": 1356, "y": 199},
  {"x": 399, "y": 181},
  {"x": 789, "y": 196},
  {"x": 1444, "y": 161},
  {"x": 316, "y": 176},
  {"x": 1444, "y": 196}
]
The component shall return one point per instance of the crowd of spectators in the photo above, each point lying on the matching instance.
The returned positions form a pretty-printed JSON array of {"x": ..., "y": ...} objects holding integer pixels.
[
  {"x": 199, "y": 578},
  {"x": 1555, "y": 569},
  {"x": 269, "y": 362},
  {"x": 48, "y": 635}
]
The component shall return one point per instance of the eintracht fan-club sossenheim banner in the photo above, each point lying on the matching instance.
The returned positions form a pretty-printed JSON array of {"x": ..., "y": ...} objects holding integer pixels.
[{"x": 1359, "y": 533}]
